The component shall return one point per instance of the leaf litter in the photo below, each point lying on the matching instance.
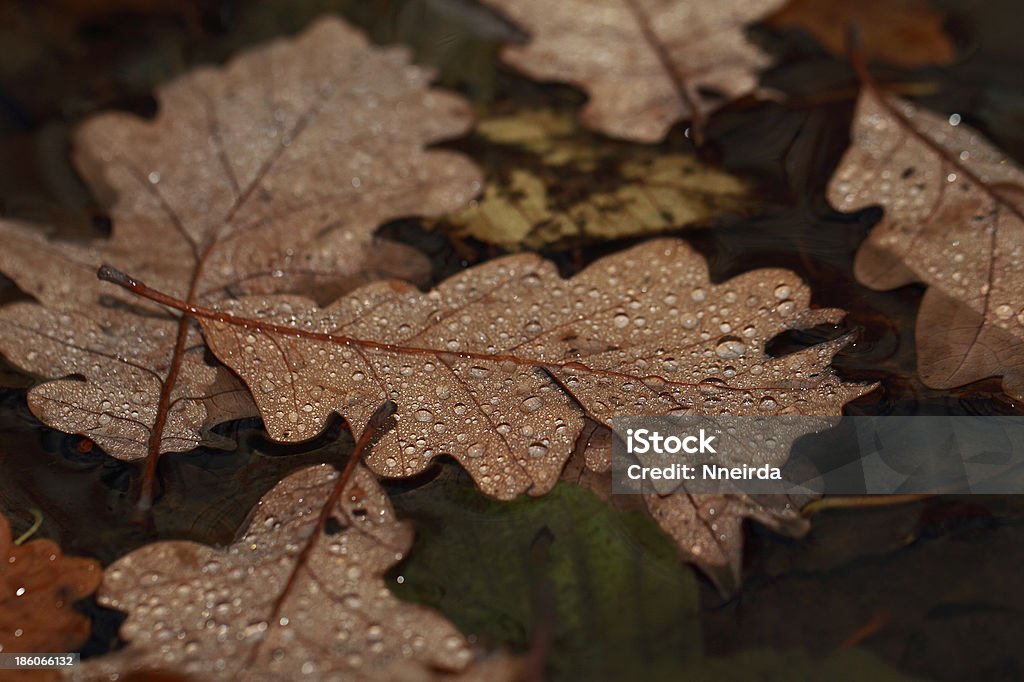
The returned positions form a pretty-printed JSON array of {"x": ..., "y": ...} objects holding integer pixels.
[
  {"x": 299, "y": 594},
  {"x": 266, "y": 176},
  {"x": 499, "y": 365}
]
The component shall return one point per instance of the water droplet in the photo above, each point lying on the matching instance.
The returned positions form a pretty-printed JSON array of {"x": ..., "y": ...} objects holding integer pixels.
[
  {"x": 620, "y": 320},
  {"x": 786, "y": 307},
  {"x": 783, "y": 291},
  {"x": 532, "y": 404},
  {"x": 698, "y": 294},
  {"x": 1004, "y": 312},
  {"x": 537, "y": 449},
  {"x": 730, "y": 347},
  {"x": 424, "y": 415},
  {"x": 768, "y": 403},
  {"x": 476, "y": 450}
]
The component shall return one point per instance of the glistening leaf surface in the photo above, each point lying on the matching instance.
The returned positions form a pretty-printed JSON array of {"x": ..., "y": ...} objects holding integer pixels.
[
  {"x": 646, "y": 64},
  {"x": 954, "y": 220},
  {"x": 258, "y": 608},
  {"x": 267, "y": 175},
  {"x": 499, "y": 364}
]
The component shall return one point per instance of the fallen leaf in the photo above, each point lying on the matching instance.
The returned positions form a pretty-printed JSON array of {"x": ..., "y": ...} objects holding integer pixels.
[
  {"x": 499, "y": 365},
  {"x": 267, "y": 608},
  {"x": 565, "y": 198},
  {"x": 646, "y": 64},
  {"x": 38, "y": 589},
  {"x": 548, "y": 134},
  {"x": 267, "y": 175},
  {"x": 954, "y": 220},
  {"x": 906, "y": 33}
]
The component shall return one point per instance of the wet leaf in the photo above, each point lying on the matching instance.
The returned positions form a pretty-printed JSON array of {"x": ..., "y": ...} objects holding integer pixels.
[
  {"x": 284, "y": 601},
  {"x": 649, "y": 192},
  {"x": 954, "y": 220},
  {"x": 38, "y": 589},
  {"x": 646, "y": 64},
  {"x": 499, "y": 365},
  {"x": 268, "y": 175},
  {"x": 906, "y": 33}
]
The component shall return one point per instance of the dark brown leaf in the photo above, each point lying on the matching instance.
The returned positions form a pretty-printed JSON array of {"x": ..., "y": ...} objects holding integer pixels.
[
  {"x": 38, "y": 589},
  {"x": 906, "y": 33}
]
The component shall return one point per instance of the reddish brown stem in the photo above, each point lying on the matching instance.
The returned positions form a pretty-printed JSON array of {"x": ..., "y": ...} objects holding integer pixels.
[
  {"x": 868, "y": 83},
  {"x": 115, "y": 276},
  {"x": 374, "y": 426}
]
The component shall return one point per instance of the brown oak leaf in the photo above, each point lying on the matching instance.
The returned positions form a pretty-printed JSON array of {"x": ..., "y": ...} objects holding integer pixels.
[
  {"x": 499, "y": 365},
  {"x": 38, "y": 588},
  {"x": 906, "y": 33},
  {"x": 646, "y": 64},
  {"x": 954, "y": 220},
  {"x": 292, "y": 598},
  {"x": 267, "y": 175}
]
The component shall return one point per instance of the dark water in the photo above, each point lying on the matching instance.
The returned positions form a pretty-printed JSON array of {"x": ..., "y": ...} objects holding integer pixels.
[{"x": 935, "y": 582}]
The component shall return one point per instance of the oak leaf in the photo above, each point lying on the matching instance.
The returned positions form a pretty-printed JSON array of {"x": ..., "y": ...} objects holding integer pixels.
[
  {"x": 267, "y": 175},
  {"x": 906, "y": 33},
  {"x": 266, "y": 608},
  {"x": 646, "y": 64},
  {"x": 499, "y": 365},
  {"x": 565, "y": 197},
  {"x": 38, "y": 588},
  {"x": 954, "y": 220}
]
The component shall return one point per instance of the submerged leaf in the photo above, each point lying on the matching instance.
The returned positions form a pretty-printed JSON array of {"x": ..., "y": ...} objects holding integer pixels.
[
  {"x": 38, "y": 589},
  {"x": 499, "y": 364},
  {"x": 667, "y": 192},
  {"x": 566, "y": 196},
  {"x": 906, "y": 33},
  {"x": 954, "y": 220},
  {"x": 646, "y": 64},
  {"x": 267, "y": 175},
  {"x": 599, "y": 587},
  {"x": 264, "y": 608}
]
